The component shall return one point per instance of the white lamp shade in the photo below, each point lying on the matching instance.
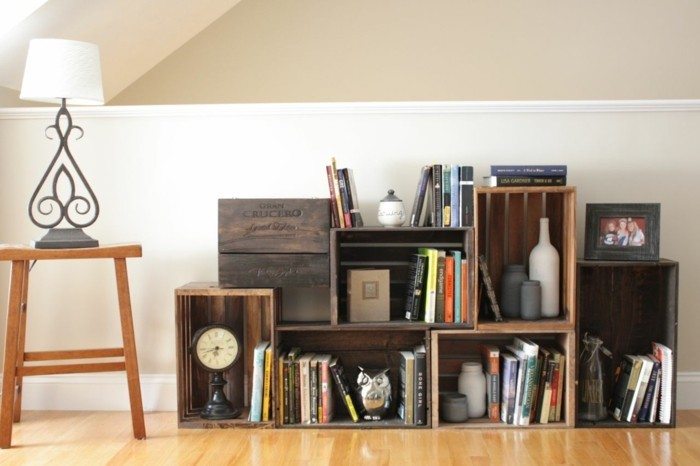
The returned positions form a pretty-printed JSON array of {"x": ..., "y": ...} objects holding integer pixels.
[{"x": 63, "y": 69}]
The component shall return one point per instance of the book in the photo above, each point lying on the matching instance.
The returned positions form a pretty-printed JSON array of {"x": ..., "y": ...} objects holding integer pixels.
[
  {"x": 534, "y": 395},
  {"x": 488, "y": 285},
  {"x": 643, "y": 415},
  {"x": 406, "y": 388},
  {"x": 449, "y": 289},
  {"x": 509, "y": 371},
  {"x": 468, "y": 315},
  {"x": 289, "y": 385},
  {"x": 560, "y": 394},
  {"x": 420, "y": 410},
  {"x": 644, "y": 375},
  {"x": 280, "y": 396},
  {"x": 327, "y": 405},
  {"x": 654, "y": 408},
  {"x": 457, "y": 285},
  {"x": 336, "y": 189},
  {"x": 267, "y": 381},
  {"x": 344, "y": 198},
  {"x": 343, "y": 386},
  {"x": 296, "y": 386},
  {"x": 465, "y": 312},
  {"x": 446, "y": 196},
  {"x": 455, "y": 209},
  {"x": 429, "y": 293},
  {"x": 305, "y": 386},
  {"x": 466, "y": 196},
  {"x": 314, "y": 389},
  {"x": 440, "y": 288},
  {"x": 255, "y": 414},
  {"x": 490, "y": 361},
  {"x": 544, "y": 357},
  {"x": 419, "y": 198},
  {"x": 531, "y": 375},
  {"x": 546, "y": 405},
  {"x": 331, "y": 190},
  {"x": 632, "y": 387},
  {"x": 437, "y": 195},
  {"x": 623, "y": 372},
  {"x": 556, "y": 358},
  {"x": 528, "y": 170},
  {"x": 665, "y": 355},
  {"x": 494, "y": 181},
  {"x": 519, "y": 382},
  {"x": 417, "y": 268},
  {"x": 355, "y": 214}
]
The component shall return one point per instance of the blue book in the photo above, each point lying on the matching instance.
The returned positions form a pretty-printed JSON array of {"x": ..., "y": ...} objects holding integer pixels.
[
  {"x": 258, "y": 373},
  {"x": 458, "y": 286},
  {"x": 454, "y": 198},
  {"x": 528, "y": 170},
  {"x": 509, "y": 377}
]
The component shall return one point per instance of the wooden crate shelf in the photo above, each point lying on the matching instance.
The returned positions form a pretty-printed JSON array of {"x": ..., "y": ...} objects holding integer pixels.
[{"x": 251, "y": 313}]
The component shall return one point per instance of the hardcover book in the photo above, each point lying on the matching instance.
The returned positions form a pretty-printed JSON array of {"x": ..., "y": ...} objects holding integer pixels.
[
  {"x": 455, "y": 207},
  {"x": 429, "y": 295},
  {"x": 255, "y": 414},
  {"x": 528, "y": 170},
  {"x": 643, "y": 415},
  {"x": 355, "y": 214},
  {"x": 338, "y": 200},
  {"x": 446, "y": 196},
  {"x": 419, "y": 198},
  {"x": 414, "y": 288},
  {"x": 494, "y": 181},
  {"x": 368, "y": 295},
  {"x": 490, "y": 360},
  {"x": 509, "y": 369},
  {"x": 440, "y": 288},
  {"x": 267, "y": 381},
  {"x": 327, "y": 409},
  {"x": 406, "y": 388},
  {"x": 531, "y": 350},
  {"x": 344, "y": 198},
  {"x": 420, "y": 381},
  {"x": 449, "y": 289},
  {"x": 457, "y": 285},
  {"x": 466, "y": 196},
  {"x": 437, "y": 195},
  {"x": 343, "y": 386},
  {"x": 334, "y": 202}
]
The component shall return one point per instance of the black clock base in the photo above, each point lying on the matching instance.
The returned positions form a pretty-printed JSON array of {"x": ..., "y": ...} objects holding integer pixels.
[{"x": 218, "y": 407}]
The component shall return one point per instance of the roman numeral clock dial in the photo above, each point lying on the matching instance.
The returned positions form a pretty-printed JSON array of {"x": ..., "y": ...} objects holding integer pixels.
[{"x": 216, "y": 348}]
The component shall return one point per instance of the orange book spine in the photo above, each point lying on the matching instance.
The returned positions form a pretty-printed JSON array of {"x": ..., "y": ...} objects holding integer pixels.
[{"x": 449, "y": 289}]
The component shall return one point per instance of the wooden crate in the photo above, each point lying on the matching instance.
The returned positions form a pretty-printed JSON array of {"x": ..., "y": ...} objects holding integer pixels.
[
  {"x": 251, "y": 313},
  {"x": 629, "y": 305},
  {"x": 273, "y": 242},
  {"x": 507, "y": 229},
  {"x": 388, "y": 248},
  {"x": 452, "y": 347}
]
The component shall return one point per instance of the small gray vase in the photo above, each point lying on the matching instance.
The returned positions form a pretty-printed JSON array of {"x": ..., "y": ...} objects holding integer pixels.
[
  {"x": 531, "y": 300},
  {"x": 513, "y": 277}
]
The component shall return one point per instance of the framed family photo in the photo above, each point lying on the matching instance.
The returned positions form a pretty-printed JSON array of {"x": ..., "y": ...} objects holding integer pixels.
[{"x": 622, "y": 232}]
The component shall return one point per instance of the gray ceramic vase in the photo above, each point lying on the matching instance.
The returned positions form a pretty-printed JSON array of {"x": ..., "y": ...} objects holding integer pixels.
[
  {"x": 513, "y": 277},
  {"x": 531, "y": 300}
]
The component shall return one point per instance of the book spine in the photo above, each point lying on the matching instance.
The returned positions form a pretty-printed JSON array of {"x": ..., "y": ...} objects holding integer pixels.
[
  {"x": 440, "y": 289},
  {"x": 454, "y": 196},
  {"x": 410, "y": 389},
  {"x": 536, "y": 394},
  {"x": 446, "y": 196},
  {"x": 530, "y": 382},
  {"x": 505, "y": 372},
  {"x": 355, "y": 213},
  {"x": 449, "y": 289},
  {"x": 401, "y": 405},
  {"x": 411, "y": 283},
  {"x": 490, "y": 357},
  {"x": 644, "y": 375},
  {"x": 331, "y": 190},
  {"x": 631, "y": 387},
  {"x": 457, "y": 264},
  {"x": 338, "y": 200},
  {"x": 420, "y": 411},
  {"x": 278, "y": 396},
  {"x": 305, "y": 390},
  {"x": 429, "y": 297},
  {"x": 297, "y": 392},
  {"x": 469, "y": 295},
  {"x": 326, "y": 395},
  {"x": 562, "y": 387},
  {"x": 257, "y": 389},
  {"x": 547, "y": 397},
  {"x": 528, "y": 170},
  {"x": 555, "y": 388},
  {"x": 313, "y": 399},
  {"x": 341, "y": 382},
  {"x": 419, "y": 198},
  {"x": 421, "y": 274},
  {"x": 498, "y": 181},
  {"x": 437, "y": 195},
  {"x": 643, "y": 415},
  {"x": 288, "y": 403},
  {"x": 344, "y": 197},
  {"x": 466, "y": 196},
  {"x": 510, "y": 383},
  {"x": 540, "y": 394},
  {"x": 266, "y": 385},
  {"x": 465, "y": 293}
]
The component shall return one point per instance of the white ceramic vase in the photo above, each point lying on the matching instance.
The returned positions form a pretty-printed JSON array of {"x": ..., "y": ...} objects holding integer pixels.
[
  {"x": 472, "y": 382},
  {"x": 544, "y": 267}
]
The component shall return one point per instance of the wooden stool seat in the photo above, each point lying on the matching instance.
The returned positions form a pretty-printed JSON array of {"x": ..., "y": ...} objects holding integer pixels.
[{"x": 15, "y": 356}]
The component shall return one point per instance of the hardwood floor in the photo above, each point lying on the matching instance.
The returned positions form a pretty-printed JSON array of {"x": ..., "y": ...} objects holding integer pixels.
[{"x": 92, "y": 438}]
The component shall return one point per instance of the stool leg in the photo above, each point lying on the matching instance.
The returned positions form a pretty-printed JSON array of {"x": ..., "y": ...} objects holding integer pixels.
[
  {"x": 20, "y": 343},
  {"x": 132, "y": 368},
  {"x": 9, "y": 366}
]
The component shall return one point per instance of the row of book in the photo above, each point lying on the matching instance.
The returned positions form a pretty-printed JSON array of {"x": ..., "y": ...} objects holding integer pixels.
[
  {"x": 439, "y": 286},
  {"x": 413, "y": 380},
  {"x": 447, "y": 193},
  {"x": 526, "y": 175},
  {"x": 643, "y": 387},
  {"x": 345, "y": 206},
  {"x": 261, "y": 393},
  {"x": 525, "y": 382}
]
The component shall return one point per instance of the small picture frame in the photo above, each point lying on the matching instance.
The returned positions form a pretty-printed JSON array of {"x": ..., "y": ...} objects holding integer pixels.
[{"x": 622, "y": 232}]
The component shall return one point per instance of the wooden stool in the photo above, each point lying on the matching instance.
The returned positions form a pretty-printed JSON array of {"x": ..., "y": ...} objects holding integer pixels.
[{"x": 15, "y": 356}]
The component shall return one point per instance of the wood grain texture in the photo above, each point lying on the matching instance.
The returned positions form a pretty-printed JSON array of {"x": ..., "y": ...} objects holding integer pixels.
[
  {"x": 10, "y": 252},
  {"x": 273, "y": 270},
  {"x": 64, "y": 437},
  {"x": 73, "y": 354},
  {"x": 72, "y": 368},
  {"x": 21, "y": 340}
]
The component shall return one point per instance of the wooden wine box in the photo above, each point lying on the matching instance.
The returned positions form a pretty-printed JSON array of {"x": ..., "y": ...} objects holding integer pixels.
[{"x": 274, "y": 242}]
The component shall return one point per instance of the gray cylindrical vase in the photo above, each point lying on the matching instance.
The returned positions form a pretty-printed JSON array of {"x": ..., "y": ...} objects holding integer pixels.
[
  {"x": 513, "y": 277},
  {"x": 453, "y": 407},
  {"x": 531, "y": 300}
]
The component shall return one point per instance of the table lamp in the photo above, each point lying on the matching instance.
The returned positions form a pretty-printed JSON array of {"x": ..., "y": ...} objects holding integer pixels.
[{"x": 63, "y": 71}]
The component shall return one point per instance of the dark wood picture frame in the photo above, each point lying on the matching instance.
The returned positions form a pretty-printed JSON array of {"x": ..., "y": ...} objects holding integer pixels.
[{"x": 599, "y": 246}]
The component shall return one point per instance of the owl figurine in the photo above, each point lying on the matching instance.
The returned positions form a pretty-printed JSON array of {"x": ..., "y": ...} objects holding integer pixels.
[{"x": 374, "y": 388}]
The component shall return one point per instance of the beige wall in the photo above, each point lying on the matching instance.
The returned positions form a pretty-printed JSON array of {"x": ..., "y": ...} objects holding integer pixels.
[
  {"x": 369, "y": 50},
  {"x": 10, "y": 98}
]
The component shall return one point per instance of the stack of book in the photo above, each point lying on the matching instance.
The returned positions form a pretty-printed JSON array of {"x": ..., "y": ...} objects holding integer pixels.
[
  {"x": 439, "y": 285},
  {"x": 643, "y": 387},
  {"x": 525, "y": 382},
  {"x": 444, "y": 197},
  {"x": 305, "y": 385},
  {"x": 345, "y": 206},
  {"x": 526, "y": 175},
  {"x": 413, "y": 380}
]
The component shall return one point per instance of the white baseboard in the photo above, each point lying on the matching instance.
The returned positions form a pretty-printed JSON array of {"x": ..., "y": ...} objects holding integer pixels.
[{"x": 108, "y": 392}]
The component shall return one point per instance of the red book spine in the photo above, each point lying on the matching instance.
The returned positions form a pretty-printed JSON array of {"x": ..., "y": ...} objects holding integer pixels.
[
  {"x": 449, "y": 289},
  {"x": 331, "y": 190}
]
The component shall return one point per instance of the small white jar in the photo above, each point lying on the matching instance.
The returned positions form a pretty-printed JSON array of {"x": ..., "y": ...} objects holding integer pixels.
[
  {"x": 391, "y": 212},
  {"x": 472, "y": 383}
]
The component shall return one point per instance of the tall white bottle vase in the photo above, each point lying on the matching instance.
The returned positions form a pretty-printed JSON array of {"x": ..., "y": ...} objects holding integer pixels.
[{"x": 544, "y": 267}]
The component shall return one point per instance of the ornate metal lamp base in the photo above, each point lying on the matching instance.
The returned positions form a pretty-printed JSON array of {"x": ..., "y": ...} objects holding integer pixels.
[{"x": 65, "y": 238}]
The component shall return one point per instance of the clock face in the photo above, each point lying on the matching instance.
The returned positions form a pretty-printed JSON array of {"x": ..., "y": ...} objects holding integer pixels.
[{"x": 215, "y": 347}]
